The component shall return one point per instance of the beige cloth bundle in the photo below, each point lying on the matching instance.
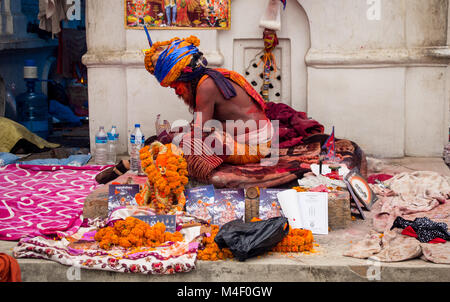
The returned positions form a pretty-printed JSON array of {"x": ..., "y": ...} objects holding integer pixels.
[{"x": 51, "y": 13}]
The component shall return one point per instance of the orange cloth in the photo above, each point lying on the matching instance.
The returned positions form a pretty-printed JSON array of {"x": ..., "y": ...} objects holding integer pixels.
[
  {"x": 252, "y": 154},
  {"x": 9, "y": 269}
]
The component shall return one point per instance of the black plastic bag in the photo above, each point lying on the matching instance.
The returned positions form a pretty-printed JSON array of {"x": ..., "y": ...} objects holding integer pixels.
[{"x": 246, "y": 240}]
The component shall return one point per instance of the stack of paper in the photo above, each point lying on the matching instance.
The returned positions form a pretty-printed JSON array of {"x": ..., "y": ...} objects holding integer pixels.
[{"x": 305, "y": 210}]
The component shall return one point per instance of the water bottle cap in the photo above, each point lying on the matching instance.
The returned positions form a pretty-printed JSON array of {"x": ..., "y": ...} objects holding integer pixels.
[
  {"x": 30, "y": 70},
  {"x": 30, "y": 63},
  {"x": 137, "y": 126}
]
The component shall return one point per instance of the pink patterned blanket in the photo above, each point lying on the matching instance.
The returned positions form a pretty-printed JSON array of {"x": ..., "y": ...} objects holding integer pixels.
[
  {"x": 80, "y": 250},
  {"x": 43, "y": 200},
  {"x": 178, "y": 257}
]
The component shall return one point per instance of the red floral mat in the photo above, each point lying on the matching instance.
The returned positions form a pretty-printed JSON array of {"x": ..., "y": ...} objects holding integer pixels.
[{"x": 292, "y": 164}]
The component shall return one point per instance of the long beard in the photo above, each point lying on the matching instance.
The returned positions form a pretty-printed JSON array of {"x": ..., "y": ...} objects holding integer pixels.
[
  {"x": 182, "y": 90},
  {"x": 190, "y": 103}
]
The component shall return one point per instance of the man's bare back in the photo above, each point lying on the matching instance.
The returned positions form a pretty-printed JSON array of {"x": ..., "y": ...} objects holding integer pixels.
[{"x": 211, "y": 103}]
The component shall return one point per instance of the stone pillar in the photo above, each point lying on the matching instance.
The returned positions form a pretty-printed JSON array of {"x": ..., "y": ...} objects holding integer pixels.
[
  {"x": 12, "y": 21},
  {"x": 106, "y": 41},
  {"x": 121, "y": 91}
]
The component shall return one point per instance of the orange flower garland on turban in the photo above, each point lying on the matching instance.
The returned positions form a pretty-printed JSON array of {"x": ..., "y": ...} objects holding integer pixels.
[{"x": 183, "y": 59}]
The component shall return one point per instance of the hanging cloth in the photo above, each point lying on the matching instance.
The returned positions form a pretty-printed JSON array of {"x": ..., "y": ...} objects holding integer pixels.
[{"x": 51, "y": 13}]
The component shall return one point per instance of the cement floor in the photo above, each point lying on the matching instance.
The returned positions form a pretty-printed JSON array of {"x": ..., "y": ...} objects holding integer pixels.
[{"x": 327, "y": 264}]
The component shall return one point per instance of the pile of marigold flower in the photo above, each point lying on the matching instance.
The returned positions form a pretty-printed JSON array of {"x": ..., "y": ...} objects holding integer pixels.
[
  {"x": 134, "y": 233},
  {"x": 297, "y": 240},
  {"x": 211, "y": 250}
]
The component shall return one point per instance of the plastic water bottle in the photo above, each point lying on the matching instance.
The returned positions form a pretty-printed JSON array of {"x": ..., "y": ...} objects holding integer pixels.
[
  {"x": 11, "y": 105},
  {"x": 113, "y": 137},
  {"x": 32, "y": 106},
  {"x": 101, "y": 144},
  {"x": 137, "y": 140}
]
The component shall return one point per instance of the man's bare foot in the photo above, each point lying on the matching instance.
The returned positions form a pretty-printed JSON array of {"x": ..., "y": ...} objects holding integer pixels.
[
  {"x": 112, "y": 173},
  {"x": 126, "y": 164}
]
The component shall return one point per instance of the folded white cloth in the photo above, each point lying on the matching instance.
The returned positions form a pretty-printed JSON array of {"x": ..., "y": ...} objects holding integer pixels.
[{"x": 310, "y": 180}]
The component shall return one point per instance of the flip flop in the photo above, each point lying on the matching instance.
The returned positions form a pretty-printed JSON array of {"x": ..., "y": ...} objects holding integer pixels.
[{"x": 111, "y": 173}]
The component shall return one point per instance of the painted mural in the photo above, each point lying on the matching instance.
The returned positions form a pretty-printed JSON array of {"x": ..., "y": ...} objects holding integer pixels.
[{"x": 177, "y": 14}]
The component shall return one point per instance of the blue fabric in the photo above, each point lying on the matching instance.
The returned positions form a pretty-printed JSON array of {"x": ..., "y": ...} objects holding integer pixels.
[
  {"x": 73, "y": 160},
  {"x": 166, "y": 61},
  {"x": 63, "y": 113},
  {"x": 77, "y": 160},
  {"x": 7, "y": 158}
]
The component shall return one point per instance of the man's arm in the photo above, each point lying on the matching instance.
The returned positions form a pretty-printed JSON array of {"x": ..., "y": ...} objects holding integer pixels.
[
  {"x": 204, "y": 111},
  {"x": 205, "y": 103}
]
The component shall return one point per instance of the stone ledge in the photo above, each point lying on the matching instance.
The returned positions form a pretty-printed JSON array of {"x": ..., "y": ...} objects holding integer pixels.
[
  {"x": 321, "y": 267},
  {"x": 135, "y": 58},
  {"x": 11, "y": 43},
  {"x": 425, "y": 56}
]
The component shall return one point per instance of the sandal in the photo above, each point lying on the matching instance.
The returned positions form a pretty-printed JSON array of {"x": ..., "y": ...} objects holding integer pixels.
[{"x": 111, "y": 173}]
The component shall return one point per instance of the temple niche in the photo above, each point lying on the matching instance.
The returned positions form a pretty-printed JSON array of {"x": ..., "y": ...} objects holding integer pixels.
[{"x": 288, "y": 80}]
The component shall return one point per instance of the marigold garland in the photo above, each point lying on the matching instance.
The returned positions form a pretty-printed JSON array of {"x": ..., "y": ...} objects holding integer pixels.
[
  {"x": 297, "y": 240},
  {"x": 175, "y": 177},
  {"x": 134, "y": 233},
  {"x": 152, "y": 51},
  {"x": 167, "y": 177},
  {"x": 150, "y": 59}
]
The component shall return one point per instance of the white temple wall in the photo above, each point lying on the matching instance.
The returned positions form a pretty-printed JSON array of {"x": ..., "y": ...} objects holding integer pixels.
[{"x": 382, "y": 83}]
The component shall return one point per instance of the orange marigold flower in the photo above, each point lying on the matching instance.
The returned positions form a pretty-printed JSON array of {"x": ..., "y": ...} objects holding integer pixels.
[
  {"x": 134, "y": 233},
  {"x": 297, "y": 240}
]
